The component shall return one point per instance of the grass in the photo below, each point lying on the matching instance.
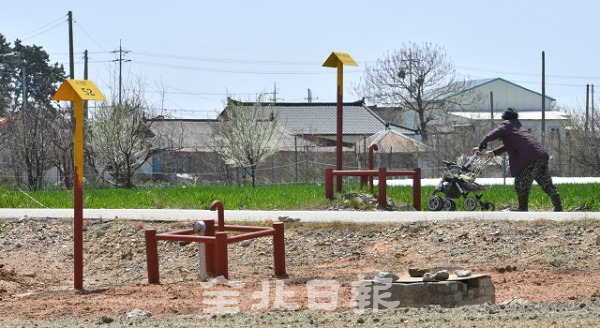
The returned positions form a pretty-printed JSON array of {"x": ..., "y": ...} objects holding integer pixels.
[{"x": 576, "y": 197}]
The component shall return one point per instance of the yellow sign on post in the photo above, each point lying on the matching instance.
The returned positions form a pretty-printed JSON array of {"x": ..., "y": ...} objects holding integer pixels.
[
  {"x": 84, "y": 89},
  {"x": 338, "y": 60},
  {"x": 77, "y": 91},
  {"x": 339, "y": 57}
]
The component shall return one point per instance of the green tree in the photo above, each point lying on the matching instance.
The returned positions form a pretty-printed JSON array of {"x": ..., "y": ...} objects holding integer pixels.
[
  {"x": 7, "y": 88},
  {"x": 27, "y": 83}
]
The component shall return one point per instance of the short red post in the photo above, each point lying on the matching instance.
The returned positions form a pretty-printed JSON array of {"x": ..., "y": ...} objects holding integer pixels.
[
  {"x": 363, "y": 180},
  {"x": 221, "y": 264},
  {"x": 372, "y": 148},
  {"x": 152, "y": 256},
  {"x": 417, "y": 189},
  {"x": 382, "y": 184},
  {"x": 279, "y": 249},
  {"x": 209, "y": 248},
  {"x": 329, "y": 183}
]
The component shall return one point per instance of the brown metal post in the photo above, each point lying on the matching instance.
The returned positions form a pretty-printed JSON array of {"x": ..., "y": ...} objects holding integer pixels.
[
  {"x": 340, "y": 123},
  {"x": 221, "y": 263},
  {"x": 279, "y": 249},
  {"x": 372, "y": 148},
  {"x": 218, "y": 205},
  {"x": 417, "y": 189},
  {"x": 363, "y": 180},
  {"x": 152, "y": 256},
  {"x": 329, "y": 183},
  {"x": 382, "y": 184},
  {"x": 209, "y": 249}
]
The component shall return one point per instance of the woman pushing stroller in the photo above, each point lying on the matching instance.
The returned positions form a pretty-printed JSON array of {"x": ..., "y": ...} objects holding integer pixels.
[{"x": 527, "y": 158}]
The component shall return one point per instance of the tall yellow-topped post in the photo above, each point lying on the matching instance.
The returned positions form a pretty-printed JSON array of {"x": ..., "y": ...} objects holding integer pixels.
[
  {"x": 338, "y": 60},
  {"x": 77, "y": 91}
]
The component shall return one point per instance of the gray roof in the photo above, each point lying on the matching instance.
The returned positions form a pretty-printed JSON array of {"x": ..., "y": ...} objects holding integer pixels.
[
  {"x": 197, "y": 135},
  {"x": 321, "y": 118},
  {"x": 397, "y": 142},
  {"x": 474, "y": 84},
  {"x": 183, "y": 133}
]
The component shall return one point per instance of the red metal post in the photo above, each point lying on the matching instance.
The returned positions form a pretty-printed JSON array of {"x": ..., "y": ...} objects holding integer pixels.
[
  {"x": 372, "y": 148},
  {"x": 152, "y": 256},
  {"x": 78, "y": 141},
  {"x": 417, "y": 189},
  {"x": 340, "y": 122},
  {"x": 279, "y": 249},
  {"x": 329, "y": 183},
  {"x": 363, "y": 180},
  {"x": 209, "y": 250},
  {"x": 221, "y": 263},
  {"x": 78, "y": 230},
  {"x": 218, "y": 205},
  {"x": 382, "y": 184}
]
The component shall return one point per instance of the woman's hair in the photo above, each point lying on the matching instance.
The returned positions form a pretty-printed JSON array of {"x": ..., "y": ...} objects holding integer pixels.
[{"x": 510, "y": 114}]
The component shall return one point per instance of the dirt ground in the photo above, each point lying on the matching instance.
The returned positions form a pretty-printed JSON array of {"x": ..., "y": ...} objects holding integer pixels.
[{"x": 529, "y": 261}]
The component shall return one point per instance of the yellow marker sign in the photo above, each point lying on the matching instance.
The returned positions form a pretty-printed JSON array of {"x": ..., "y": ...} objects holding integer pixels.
[
  {"x": 338, "y": 60},
  {"x": 77, "y": 91},
  {"x": 335, "y": 57},
  {"x": 84, "y": 89}
]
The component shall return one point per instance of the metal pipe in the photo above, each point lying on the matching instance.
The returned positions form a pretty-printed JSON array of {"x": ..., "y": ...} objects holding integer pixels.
[
  {"x": 250, "y": 235},
  {"x": 199, "y": 228}
]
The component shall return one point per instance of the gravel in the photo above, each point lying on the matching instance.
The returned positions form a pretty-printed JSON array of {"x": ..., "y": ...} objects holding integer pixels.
[{"x": 552, "y": 280}]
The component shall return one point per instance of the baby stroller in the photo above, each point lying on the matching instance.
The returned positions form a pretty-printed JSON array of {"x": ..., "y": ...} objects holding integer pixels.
[{"x": 459, "y": 181}]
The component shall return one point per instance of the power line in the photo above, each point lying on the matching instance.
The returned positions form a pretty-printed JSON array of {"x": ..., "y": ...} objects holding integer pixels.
[{"x": 57, "y": 22}]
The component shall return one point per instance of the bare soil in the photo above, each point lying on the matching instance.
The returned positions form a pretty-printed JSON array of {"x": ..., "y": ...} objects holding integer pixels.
[{"x": 542, "y": 270}]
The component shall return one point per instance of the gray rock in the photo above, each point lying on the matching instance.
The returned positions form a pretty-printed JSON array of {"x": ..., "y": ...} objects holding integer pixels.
[
  {"x": 428, "y": 277},
  {"x": 417, "y": 272},
  {"x": 463, "y": 273},
  {"x": 385, "y": 277},
  {"x": 441, "y": 275},
  {"x": 137, "y": 313}
]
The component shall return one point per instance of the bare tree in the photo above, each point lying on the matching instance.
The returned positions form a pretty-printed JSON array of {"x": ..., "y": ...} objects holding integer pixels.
[
  {"x": 248, "y": 134},
  {"x": 120, "y": 137},
  {"x": 581, "y": 148},
  {"x": 418, "y": 78}
]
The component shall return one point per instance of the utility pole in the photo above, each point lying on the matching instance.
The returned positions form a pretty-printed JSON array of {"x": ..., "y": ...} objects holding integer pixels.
[
  {"x": 274, "y": 93},
  {"x": 492, "y": 106},
  {"x": 85, "y": 77},
  {"x": 592, "y": 118},
  {"x": 71, "y": 56},
  {"x": 543, "y": 98},
  {"x": 587, "y": 107},
  {"x": 121, "y": 60}
]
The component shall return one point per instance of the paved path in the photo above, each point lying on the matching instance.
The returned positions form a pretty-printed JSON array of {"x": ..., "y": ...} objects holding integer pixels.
[{"x": 304, "y": 216}]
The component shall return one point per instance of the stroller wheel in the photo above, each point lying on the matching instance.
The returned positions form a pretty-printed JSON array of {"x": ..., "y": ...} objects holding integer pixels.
[
  {"x": 470, "y": 204},
  {"x": 435, "y": 203},
  {"x": 449, "y": 204}
]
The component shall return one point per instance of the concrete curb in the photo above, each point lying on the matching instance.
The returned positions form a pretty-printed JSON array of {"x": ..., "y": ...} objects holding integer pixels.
[{"x": 304, "y": 216}]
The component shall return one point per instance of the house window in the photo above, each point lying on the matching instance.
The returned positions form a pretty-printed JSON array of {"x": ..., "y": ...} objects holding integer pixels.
[{"x": 554, "y": 129}]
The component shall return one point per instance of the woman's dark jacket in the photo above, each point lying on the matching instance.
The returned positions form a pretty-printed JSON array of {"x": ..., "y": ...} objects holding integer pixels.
[{"x": 522, "y": 147}]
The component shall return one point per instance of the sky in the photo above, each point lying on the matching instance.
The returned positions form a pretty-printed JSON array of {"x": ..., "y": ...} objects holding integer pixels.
[{"x": 188, "y": 56}]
